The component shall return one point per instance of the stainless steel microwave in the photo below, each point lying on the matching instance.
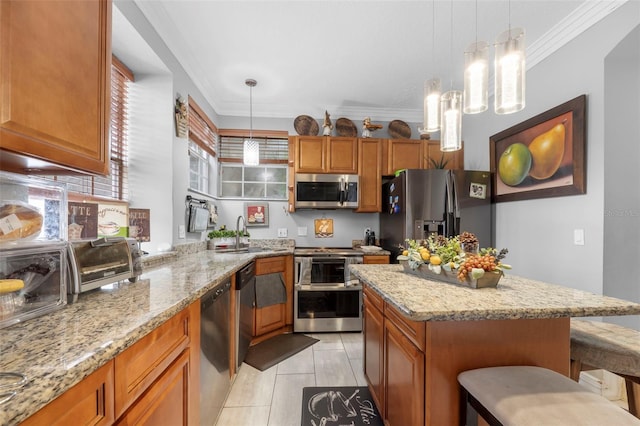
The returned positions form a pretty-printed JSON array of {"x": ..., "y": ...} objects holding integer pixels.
[{"x": 326, "y": 191}]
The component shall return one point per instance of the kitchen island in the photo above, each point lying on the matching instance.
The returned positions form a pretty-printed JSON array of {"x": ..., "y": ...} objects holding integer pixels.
[
  {"x": 59, "y": 350},
  {"x": 419, "y": 334}
]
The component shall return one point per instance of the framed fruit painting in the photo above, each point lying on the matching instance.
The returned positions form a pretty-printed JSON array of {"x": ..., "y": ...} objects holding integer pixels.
[{"x": 543, "y": 156}]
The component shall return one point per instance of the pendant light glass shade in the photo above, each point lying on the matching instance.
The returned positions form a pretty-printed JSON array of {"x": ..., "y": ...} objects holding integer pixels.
[
  {"x": 432, "y": 92},
  {"x": 251, "y": 148},
  {"x": 476, "y": 78},
  {"x": 510, "y": 71},
  {"x": 451, "y": 121},
  {"x": 251, "y": 153}
]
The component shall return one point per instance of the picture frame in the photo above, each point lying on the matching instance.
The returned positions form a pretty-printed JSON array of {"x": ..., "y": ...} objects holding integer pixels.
[
  {"x": 257, "y": 214},
  {"x": 552, "y": 161}
]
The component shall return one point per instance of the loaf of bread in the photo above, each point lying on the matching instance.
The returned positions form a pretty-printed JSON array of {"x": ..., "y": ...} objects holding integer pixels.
[{"x": 19, "y": 221}]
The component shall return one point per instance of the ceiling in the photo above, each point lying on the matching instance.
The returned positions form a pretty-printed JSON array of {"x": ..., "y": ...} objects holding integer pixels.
[{"x": 351, "y": 58}]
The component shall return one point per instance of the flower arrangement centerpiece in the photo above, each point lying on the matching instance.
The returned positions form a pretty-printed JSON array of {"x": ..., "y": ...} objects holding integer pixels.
[{"x": 457, "y": 259}]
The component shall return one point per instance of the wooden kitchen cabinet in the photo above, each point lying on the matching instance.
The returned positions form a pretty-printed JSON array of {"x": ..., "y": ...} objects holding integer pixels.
[
  {"x": 88, "y": 402},
  {"x": 418, "y": 154},
  {"x": 369, "y": 175},
  {"x": 166, "y": 401},
  {"x": 326, "y": 154},
  {"x": 280, "y": 316},
  {"x": 154, "y": 381},
  {"x": 402, "y": 154},
  {"x": 375, "y": 260},
  {"x": 394, "y": 361},
  {"x": 159, "y": 374},
  {"x": 55, "y": 62},
  {"x": 432, "y": 154},
  {"x": 373, "y": 332},
  {"x": 403, "y": 378}
]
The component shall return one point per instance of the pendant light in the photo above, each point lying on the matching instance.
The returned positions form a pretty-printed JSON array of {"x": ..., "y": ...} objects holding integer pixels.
[
  {"x": 451, "y": 112},
  {"x": 510, "y": 70},
  {"x": 251, "y": 151},
  {"x": 432, "y": 88},
  {"x": 476, "y": 75}
]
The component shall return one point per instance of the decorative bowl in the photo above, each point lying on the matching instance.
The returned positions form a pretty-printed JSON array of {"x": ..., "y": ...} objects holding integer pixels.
[{"x": 488, "y": 280}]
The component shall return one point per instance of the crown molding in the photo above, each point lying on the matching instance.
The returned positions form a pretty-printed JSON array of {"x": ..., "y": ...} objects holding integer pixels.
[{"x": 582, "y": 18}]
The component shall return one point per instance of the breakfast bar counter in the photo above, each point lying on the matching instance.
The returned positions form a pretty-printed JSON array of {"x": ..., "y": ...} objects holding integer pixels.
[{"x": 420, "y": 334}]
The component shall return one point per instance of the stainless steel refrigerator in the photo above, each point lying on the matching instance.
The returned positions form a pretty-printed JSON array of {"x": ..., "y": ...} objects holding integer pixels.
[{"x": 419, "y": 203}]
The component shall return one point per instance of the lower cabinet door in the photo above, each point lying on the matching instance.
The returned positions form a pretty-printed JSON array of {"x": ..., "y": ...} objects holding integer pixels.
[
  {"x": 166, "y": 401},
  {"x": 404, "y": 377},
  {"x": 90, "y": 402},
  {"x": 374, "y": 352},
  {"x": 269, "y": 318}
]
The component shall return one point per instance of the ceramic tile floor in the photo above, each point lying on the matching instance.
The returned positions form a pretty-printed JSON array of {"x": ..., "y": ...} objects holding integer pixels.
[{"x": 274, "y": 397}]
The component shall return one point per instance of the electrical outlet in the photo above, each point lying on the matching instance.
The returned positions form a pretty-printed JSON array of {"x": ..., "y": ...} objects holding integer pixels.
[
  {"x": 181, "y": 231},
  {"x": 282, "y": 232},
  {"x": 302, "y": 231},
  {"x": 578, "y": 237}
]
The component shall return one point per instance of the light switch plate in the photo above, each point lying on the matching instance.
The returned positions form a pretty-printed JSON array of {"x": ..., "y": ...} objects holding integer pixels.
[
  {"x": 302, "y": 231},
  {"x": 578, "y": 237},
  {"x": 282, "y": 232},
  {"x": 181, "y": 231}
]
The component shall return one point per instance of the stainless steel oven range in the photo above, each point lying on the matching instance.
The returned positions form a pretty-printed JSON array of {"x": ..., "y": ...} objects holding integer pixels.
[{"x": 327, "y": 297}]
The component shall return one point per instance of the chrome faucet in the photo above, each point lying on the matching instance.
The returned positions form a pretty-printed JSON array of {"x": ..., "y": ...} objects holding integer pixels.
[{"x": 244, "y": 230}]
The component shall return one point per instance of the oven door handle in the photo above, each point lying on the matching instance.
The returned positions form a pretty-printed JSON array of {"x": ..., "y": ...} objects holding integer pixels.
[{"x": 329, "y": 287}]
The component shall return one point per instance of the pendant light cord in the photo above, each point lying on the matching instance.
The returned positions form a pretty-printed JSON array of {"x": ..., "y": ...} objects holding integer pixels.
[
  {"x": 433, "y": 35},
  {"x": 250, "y": 112},
  {"x": 476, "y": 25},
  {"x": 451, "y": 46}
]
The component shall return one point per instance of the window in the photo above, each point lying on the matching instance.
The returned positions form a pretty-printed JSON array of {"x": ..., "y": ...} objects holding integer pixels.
[
  {"x": 266, "y": 181},
  {"x": 203, "y": 136},
  {"x": 115, "y": 185},
  {"x": 198, "y": 168}
]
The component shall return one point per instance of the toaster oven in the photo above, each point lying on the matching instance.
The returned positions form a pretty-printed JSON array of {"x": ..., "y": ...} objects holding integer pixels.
[
  {"x": 94, "y": 263},
  {"x": 41, "y": 270}
]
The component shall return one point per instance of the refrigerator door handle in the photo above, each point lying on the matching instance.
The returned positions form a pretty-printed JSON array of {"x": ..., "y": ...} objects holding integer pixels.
[{"x": 452, "y": 207}]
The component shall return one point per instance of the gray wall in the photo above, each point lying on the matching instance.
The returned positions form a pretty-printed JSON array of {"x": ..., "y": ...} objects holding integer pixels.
[
  {"x": 539, "y": 233},
  {"x": 622, "y": 174}
]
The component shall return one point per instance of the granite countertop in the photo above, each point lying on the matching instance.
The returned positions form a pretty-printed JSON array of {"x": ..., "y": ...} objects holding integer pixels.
[
  {"x": 514, "y": 298},
  {"x": 58, "y": 350}
]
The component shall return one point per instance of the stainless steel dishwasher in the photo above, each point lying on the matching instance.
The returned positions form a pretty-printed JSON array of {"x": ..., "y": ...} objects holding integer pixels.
[
  {"x": 245, "y": 299},
  {"x": 215, "y": 380}
]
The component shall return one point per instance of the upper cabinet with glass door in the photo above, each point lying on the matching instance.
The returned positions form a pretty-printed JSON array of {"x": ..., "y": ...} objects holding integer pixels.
[{"x": 54, "y": 95}]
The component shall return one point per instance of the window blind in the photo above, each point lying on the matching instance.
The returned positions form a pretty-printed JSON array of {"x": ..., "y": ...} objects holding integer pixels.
[
  {"x": 202, "y": 131},
  {"x": 272, "y": 150}
]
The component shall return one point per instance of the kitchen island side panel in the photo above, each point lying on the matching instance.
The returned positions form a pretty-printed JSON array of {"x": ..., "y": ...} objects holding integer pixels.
[{"x": 456, "y": 346}]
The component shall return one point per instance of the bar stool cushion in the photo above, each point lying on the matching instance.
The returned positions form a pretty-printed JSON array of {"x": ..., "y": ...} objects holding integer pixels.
[
  {"x": 607, "y": 346},
  {"x": 527, "y": 395}
]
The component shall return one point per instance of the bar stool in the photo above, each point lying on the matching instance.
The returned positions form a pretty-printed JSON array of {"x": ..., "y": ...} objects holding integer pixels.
[
  {"x": 528, "y": 395},
  {"x": 600, "y": 345}
]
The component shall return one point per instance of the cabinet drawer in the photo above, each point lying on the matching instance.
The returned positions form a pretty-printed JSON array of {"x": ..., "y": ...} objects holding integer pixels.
[
  {"x": 270, "y": 265},
  {"x": 88, "y": 402},
  {"x": 372, "y": 298},
  {"x": 166, "y": 402},
  {"x": 376, "y": 260},
  {"x": 141, "y": 364},
  {"x": 413, "y": 330}
]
